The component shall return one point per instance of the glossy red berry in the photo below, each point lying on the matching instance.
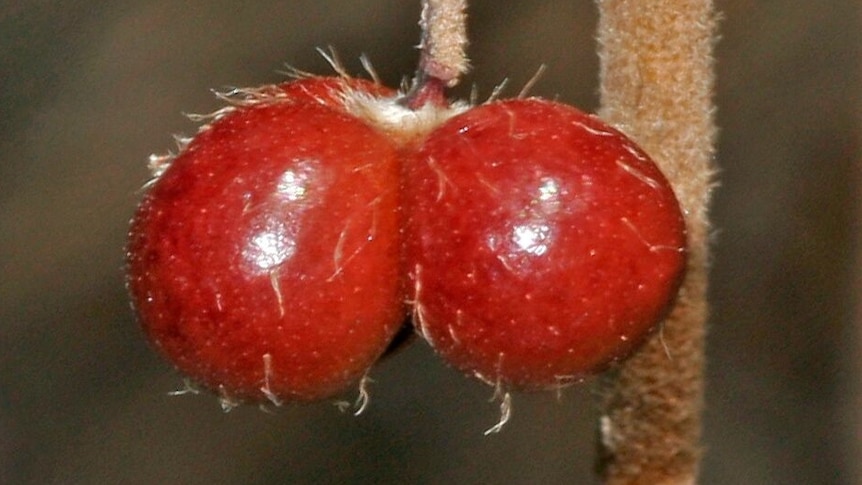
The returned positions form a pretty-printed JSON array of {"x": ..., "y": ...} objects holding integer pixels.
[
  {"x": 275, "y": 256},
  {"x": 264, "y": 261},
  {"x": 541, "y": 244}
]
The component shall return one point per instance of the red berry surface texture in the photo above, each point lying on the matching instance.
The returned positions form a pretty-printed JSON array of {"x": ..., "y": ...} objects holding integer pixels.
[
  {"x": 278, "y": 254},
  {"x": 265, "y": 261},
  {"x": 541, "y": 244}
]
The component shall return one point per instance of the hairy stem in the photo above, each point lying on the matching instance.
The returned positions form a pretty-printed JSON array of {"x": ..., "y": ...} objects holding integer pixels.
[
  {"x": 442, "y": 60},
  {"x": 444, "y": 39},
  {"x": 656, "y": 85}
]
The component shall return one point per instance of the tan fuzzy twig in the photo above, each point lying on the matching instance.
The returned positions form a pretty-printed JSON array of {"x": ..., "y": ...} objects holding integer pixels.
[
  {"x": 444, "y": 40},
  {"x": 656, "y": 85}
]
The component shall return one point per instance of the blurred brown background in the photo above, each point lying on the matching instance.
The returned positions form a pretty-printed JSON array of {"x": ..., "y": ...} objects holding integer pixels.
[{"x": 89, "y": 89}]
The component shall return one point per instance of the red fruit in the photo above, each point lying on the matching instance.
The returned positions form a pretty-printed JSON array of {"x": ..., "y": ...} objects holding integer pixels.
[
  {"x": 264, "y": 261},
  {"x": 268, "y": 261},
  {"x": 541, "y": 243}
]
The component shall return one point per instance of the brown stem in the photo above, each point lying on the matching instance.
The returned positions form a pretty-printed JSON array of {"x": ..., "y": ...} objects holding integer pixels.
[{"x": 656, "y": 85}]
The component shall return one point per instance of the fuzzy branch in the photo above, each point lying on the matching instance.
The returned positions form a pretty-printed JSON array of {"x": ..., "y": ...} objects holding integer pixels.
[
  {"x": 444, "y": 40},
  {"x": 656, "y": 85}
]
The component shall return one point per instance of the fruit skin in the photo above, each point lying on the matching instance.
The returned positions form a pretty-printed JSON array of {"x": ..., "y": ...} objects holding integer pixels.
[
  {"x": 541, "y": 244},
  {"x": 264, "y": 261}
]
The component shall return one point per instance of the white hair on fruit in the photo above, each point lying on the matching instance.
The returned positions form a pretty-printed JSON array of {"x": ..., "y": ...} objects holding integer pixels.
[{"x": 391, "y": 115}]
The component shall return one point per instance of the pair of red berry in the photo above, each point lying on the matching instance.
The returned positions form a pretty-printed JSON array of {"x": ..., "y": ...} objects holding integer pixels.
[{"x": 279, "y": 253}]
